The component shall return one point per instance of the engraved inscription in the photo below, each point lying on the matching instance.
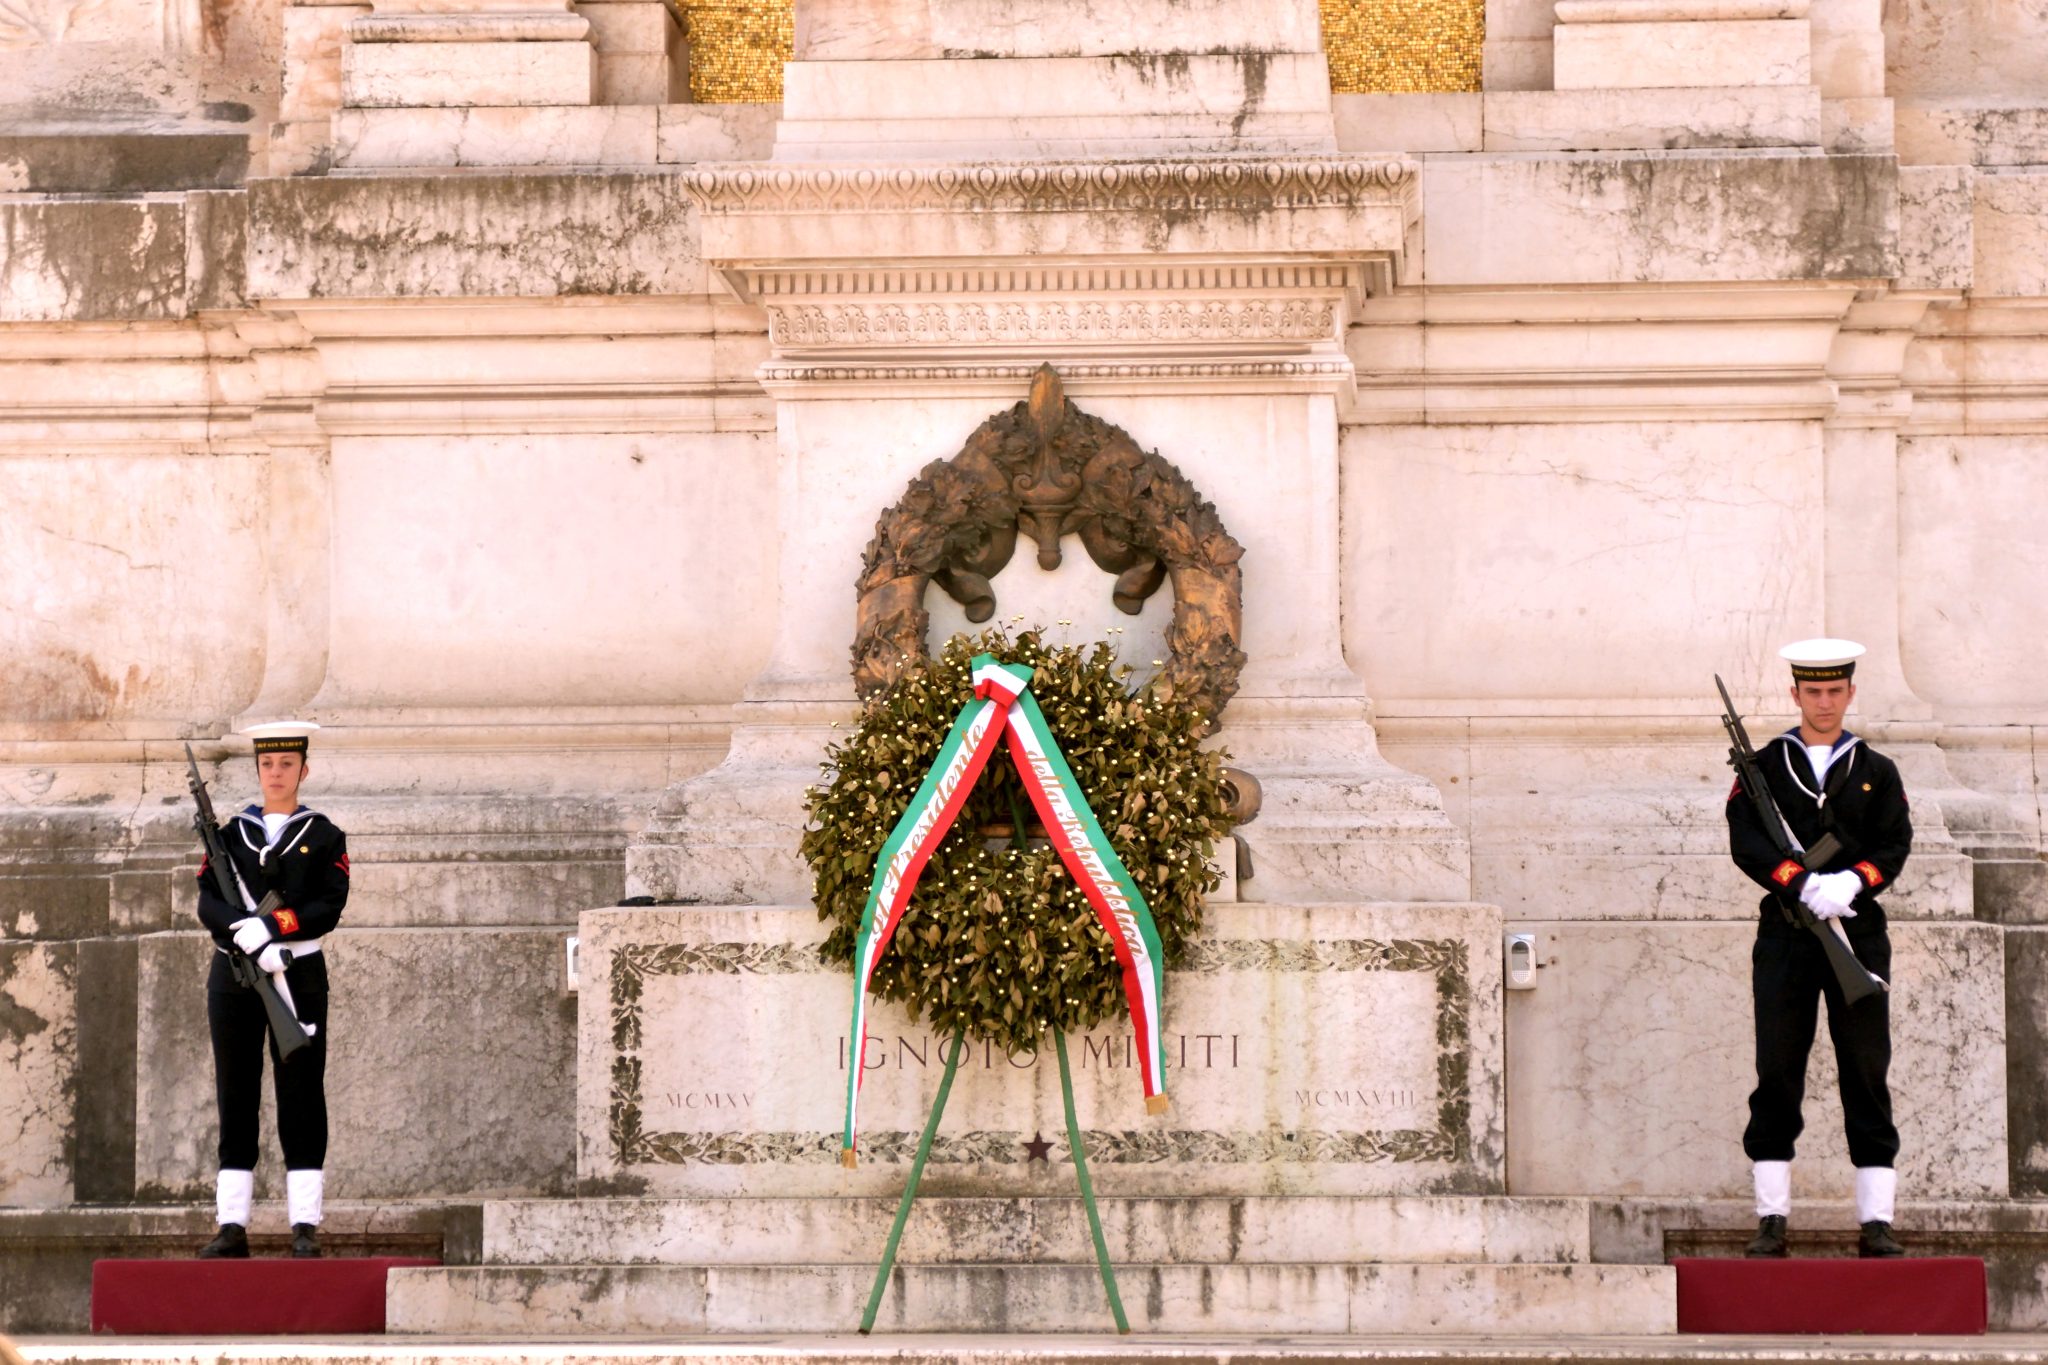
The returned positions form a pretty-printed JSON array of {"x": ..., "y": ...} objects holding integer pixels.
[
  {"x": 1184, "y": 1051},
  {"x": 1359, "y": 1053}
]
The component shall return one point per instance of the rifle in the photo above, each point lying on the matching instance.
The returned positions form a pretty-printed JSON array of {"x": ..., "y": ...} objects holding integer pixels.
[
  {"x": 278, "y": 1006},
  {"x": 1856, "y": 980}
]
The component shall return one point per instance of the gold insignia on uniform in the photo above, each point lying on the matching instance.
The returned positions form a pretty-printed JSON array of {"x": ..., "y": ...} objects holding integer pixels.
[
  {"x": 1866, "y": 787},
  {"x": 303, "y": 848}
]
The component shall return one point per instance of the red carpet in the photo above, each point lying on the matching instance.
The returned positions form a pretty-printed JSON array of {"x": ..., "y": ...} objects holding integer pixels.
[
  {"x": 257, "y": 1297},
  {"x": 1911, "y": 1296}
]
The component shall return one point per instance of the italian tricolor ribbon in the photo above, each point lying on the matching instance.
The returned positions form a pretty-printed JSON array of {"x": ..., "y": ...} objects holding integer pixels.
[{"x": 1003, "y": 705}]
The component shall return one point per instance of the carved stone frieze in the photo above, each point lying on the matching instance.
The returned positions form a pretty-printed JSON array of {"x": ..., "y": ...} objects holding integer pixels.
[
  {"x": 1026, "y": 321},
  {"x": 1326, "y": 369},
  {"x": 1045, "y": 469},
  {"x": 1178, "y": 278}
]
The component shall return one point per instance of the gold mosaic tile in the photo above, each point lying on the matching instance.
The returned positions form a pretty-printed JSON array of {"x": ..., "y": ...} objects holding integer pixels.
[
  {"x": 737, "y": 48},
  {"x": 1403, "y": 46}
]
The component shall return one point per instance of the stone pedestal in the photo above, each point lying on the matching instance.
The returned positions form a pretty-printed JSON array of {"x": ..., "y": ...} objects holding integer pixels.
[
  {"x": 964, "y": 79},
  {"x": 1310, "y": 1050},
  {"x": 466, "y": 60},
  {"x": 420, "y": 54},
  {"x": 1641, "y": 44}
]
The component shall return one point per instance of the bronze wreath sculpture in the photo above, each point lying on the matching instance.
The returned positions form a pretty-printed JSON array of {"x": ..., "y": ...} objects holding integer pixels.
[{"x": 1046, "y": 468}]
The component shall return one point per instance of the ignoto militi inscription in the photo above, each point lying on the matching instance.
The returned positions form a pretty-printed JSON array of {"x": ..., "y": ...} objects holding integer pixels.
[{"x": 1338, "y": 1050}]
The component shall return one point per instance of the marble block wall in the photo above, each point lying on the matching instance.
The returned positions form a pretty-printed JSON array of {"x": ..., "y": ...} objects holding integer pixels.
[
  {"x": 452, "y": 1069},
  {"x": 1630, "y": 1065},
  {"x": 1604, "y": 575}
]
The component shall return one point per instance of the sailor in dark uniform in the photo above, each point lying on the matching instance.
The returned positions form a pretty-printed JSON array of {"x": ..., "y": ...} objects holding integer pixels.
[
  {"x": 278, "y": 846},
  {"x": 1825, "y": 780}
]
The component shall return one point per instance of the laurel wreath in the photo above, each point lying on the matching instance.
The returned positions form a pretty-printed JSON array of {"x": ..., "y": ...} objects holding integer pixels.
[{"x": 998, "y": 939}]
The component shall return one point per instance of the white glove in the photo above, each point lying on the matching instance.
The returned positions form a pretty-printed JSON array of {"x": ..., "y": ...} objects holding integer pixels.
[
  {"x": 251, "y": 934},
  {"x": 1828, "y": 894},
  {"x": 271, "y": 959},
  {"x": 1847, "y": 886}
]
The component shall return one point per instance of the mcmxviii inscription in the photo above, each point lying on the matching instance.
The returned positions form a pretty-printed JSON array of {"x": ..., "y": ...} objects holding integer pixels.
[{"x": 1338, "y": 1050}]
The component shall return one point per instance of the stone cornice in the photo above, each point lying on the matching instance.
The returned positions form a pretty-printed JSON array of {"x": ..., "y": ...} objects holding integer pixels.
[{"x": 1178, "y": 187}]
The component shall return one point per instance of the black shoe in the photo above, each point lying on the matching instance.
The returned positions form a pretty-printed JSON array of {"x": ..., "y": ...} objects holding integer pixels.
[
  {"x": 1769, "y": 1242},
  {"x": 305, "y": 1243},
  {"x": 231, "y": 1242},
  {"x": 1877, "y": 1241}
]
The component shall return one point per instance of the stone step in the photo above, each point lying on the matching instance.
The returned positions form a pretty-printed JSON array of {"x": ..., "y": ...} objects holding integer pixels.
[
  {"x": 47, "y": 1255},
  {"x": 1036, "y": 1230},
  {"x": 1095, "y": 1346},
  {"x": 1514, "y": 1300}
]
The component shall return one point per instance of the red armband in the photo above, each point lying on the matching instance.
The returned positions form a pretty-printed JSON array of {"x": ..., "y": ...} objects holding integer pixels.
[
  {"x": 287, "y": 922},
  {"x": 1787, "y": 872},
  {"x": 1870, "y": 873}
]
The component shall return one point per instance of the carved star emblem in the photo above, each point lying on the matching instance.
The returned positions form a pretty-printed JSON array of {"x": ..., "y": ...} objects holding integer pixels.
[{"x": 1038, "y": 1149}]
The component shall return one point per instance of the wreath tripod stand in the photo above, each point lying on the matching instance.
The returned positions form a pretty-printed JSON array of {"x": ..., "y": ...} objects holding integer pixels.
[{"x": 924, "y": 1147}]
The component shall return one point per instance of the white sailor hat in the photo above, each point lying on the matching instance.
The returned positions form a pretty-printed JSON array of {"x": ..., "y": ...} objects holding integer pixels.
[
  {"x": 1822, "y": 660},
  {"x": 281, "y": 736}
]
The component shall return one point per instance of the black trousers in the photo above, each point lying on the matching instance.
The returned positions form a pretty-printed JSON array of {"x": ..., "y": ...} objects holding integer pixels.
[
  {"x": 1789, "y": 977},
  {"x": 240, "y": 1032}
]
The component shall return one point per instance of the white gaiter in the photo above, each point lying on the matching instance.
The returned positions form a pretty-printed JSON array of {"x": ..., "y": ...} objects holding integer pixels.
[
  {"x": 1774, "y": 1189},
  {"x": 1875, "y": 1188},
  {"x": 303, "y": 1190},
  {"x": 232, "y": 1193}
]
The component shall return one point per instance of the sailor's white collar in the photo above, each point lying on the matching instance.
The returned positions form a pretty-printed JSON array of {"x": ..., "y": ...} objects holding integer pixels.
[
  {"x": 251, "y": 816},
  {"x": 1845, "y": 744}
]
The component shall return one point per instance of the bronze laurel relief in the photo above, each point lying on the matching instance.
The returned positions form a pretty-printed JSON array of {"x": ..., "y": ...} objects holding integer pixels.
[{"x": 1045, "y": 469}]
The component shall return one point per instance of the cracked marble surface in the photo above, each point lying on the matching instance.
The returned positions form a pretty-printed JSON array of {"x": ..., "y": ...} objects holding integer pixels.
[
  {"x": 535, "y": 235},
  {"x": 38, "y": 1059},
  {"x": 114, "y": 610},
  {"x": 1668, "y": 217},
  {"x": 2011, "y": 229}
]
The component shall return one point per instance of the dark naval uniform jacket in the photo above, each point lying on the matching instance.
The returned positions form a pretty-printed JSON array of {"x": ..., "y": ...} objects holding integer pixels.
[
  {"x": 1862, "y": 802},
  {"x": 307, "y": 865}
]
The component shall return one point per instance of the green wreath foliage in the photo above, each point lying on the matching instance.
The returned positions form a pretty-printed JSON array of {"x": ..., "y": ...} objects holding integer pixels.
[{"x": 998, "y": 939}]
